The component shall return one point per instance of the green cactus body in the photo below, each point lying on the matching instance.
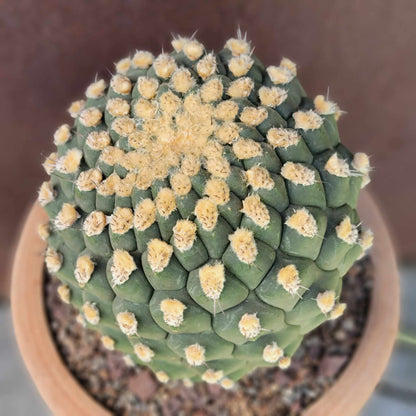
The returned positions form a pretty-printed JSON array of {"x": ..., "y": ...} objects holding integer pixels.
[{"x": 202, "y": 211}]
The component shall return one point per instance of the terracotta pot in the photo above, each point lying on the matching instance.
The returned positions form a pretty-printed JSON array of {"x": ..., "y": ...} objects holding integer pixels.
[{"x": 65, "y": 396}]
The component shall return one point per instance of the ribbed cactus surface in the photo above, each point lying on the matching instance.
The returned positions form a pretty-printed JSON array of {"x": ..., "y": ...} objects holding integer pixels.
[{"x": 202, "y": 211}]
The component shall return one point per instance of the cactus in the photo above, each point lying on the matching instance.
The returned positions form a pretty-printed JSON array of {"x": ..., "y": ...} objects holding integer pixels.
[{"x": 203, "y": 211}]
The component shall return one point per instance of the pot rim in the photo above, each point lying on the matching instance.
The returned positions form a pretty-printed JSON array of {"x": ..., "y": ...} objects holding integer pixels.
[{"x": 65, "y": 396}]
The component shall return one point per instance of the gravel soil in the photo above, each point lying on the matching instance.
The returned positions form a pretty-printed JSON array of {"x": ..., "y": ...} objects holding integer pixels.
[{"x": 124, "y": 390}]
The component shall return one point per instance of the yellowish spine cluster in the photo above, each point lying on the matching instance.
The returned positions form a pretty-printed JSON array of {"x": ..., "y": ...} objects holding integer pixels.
[
  {"x": 218, "y": 167},
  {"x": 188, "y": 383},
  {"x": 272, "y": 353},
  {"x": 64, "y": 293},
  {"x": 246, "y": 149},
  {"x": 240, "y": 88},
  {"x": 195, "y": 354},
  {"x": 62, "y": 134},
  {"x": 240, "y": 65},
  {"x": 212, "y": 279},
  {"x": 289, "y": 65},
  {"x": 118, "y": 107},
  {"x": 46, "y": 193},
  {"x": 127, "y": 322},
  {"x": 298, "y": 174},
  {"x": 169, "y": 104},
  {"x": 96, "y": 89},
  {"x": 238, "y": 45},
  {"x": 303, "y": 222},
  {"x": 91, "y": 313},
  {"x": 226, "y": 110},
  {"x": 288, "y": 277},
  {"x": 69, "y": 163},
  {"x": 346, "y": 231},
  {"x": 259, "y": 178},
  {"x": 122, "y": 267},
  {"x": 162, "y": 376},
  {"x": 172, "y": 310},
  {"x": 184, "y": 234},
  {"x": 227, "y": 132},
  {"x": 89, "y": 180},
  {"x": 206, "y": 213},
  {"x": 158, "y": 254},
  {"x": 75, "y": 108},
  {"x": 337, "y": 311},
  {"x": 66, "y": 216},
  {"x": 108, "y": 342},
  {"x": 211, "y": 376},
  {"x": 144, "y": 214},
  {"x": 181, "y": 184},
  {"x": 244, "y": 245},
  {"x": 249, "y": 325},
  {"x": 84, "y": 268},
  {"x": 123, "y": 126},
  {"x": 193, "y": 49},
  {"x": 142, "y": 59},
  {"x": 145, "y": 109},
  {"x": 182, "y": 80},
  {"x": 284, "y": 138},
  {"x": 144, "y": 352},
  {"x": 90, "y": 117},
  {"x": 326, "y": 301},
  {"x": 366, "y": 239},
  {"x": 124, "y": 187},
  {"x": 337, "y": 167},
  {"x": 272, "y": 96},
  {"x": 227, "y": 383},
  {"x": 44, "y": 231},
  {"x": 128, "y": 361},
  {"x": 211, "y": 90},
  {"x": 280, "y": 75},
  {"x": 165, "y": 202},
  {"x": 256, "y": 210},
  {"x": 324, "y": 106},
  {"x": 147, "y": 87},
  {"x": 98, "y": 140},
  {"x": 361, "y": 163},
  {"x": 218, "y": 191},
  {"x": 307, "y": 120},
  {"x": 111, "y": 155},
  {"x": 95, "y": 223},
  {"x": 121, "y": 84},
  {"x": 207, "y": 66},
  {"x": 123, "y": 65},
  {"x": 164, "y": 66},
  {"x": 122, "y": 220},
  {"x": 253, "y": 116},
  {"x": 190, "y": 165},
  {"x": 50, "y": 163},
  {"x": 284, "y": 363}
]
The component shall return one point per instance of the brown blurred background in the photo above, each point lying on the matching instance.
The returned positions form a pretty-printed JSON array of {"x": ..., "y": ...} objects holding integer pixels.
[{"x": 364, "y": 51}]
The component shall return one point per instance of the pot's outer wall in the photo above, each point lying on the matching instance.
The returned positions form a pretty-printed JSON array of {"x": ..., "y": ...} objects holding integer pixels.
[
  {"x": 66, "y": 397},
  {"x": 364, "y": 51}
]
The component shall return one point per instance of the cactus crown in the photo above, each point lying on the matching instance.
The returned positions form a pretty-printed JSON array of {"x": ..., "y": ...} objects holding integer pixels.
[{"x": 202, "y": 211}]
